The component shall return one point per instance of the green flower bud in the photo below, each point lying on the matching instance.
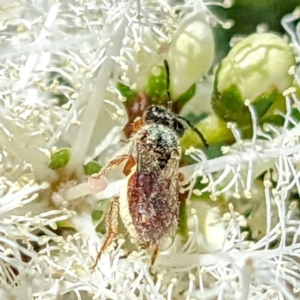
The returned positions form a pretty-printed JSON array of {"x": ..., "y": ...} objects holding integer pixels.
[
  {"x": 157, "y": 87},
  {"x": 256, "y": 70},
  {"x": 191, "y": 53},
  {"x": 92, "y": 167},
  {"x": 214, "y": 130},
  {"x": 59, "y": 159}
]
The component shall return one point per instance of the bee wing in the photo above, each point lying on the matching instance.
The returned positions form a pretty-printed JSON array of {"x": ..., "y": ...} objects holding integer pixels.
[
  {"x": 153, "y": 198},
  {"x": 166, "y": 242},
  {"x": 171, "y": 171}
]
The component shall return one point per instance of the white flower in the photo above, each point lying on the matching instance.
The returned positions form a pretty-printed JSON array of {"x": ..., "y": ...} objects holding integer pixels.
[{"x": 59, "y": 65}]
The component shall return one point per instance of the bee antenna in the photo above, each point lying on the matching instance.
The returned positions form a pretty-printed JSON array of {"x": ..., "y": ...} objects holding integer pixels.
[
  {"x": 195, "y": 129},
  {"x": 167, "y": 68}
]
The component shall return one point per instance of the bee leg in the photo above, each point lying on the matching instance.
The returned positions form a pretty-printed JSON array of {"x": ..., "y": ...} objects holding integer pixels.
[
  {"x": 115, "y": 162},
  {"x": 137, "y": 124},
  {"x": 129, "y": 164},
  {"x": 153, "y": 259},
  {"x": 181, "y": 178},
  {"x": 111, "y": 227}
]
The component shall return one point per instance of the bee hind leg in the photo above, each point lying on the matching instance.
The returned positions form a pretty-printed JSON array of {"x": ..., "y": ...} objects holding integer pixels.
[
  {"x": 153, "y": 259},
  {"x": 111, "y": 227}
]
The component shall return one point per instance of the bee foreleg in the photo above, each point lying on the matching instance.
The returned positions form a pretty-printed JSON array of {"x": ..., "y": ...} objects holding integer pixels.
[
  {"x": 111, "y": 227},
  {"x": 117, "y": 161},
  {"x": 114, "y": 163},
  {"x": 137, "y": 124},
  {"x": 129, "y": 164}
]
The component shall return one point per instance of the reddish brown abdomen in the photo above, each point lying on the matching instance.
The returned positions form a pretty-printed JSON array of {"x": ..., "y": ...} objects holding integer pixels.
[{"x": 154, "y": 207}]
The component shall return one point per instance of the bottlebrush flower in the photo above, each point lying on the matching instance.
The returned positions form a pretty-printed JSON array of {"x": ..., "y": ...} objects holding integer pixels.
[{"x": 61, "y": 110}]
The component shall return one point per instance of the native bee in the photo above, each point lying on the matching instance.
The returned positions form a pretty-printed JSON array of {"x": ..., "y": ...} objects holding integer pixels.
[{"x": 149, "y": 201}]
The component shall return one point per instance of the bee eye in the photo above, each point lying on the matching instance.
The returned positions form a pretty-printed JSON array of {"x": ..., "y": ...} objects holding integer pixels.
[
  {"x": 149, "y": 114},
  {"x": 178, "y": 128},
  {"x": 156, "y": 114}
]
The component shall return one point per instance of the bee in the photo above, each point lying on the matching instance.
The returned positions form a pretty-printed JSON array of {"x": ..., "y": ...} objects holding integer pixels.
[{"x": 149, "y": 200}]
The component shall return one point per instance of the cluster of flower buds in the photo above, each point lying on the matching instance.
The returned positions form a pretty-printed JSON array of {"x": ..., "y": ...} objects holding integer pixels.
[{"x": 256, "y": 71}]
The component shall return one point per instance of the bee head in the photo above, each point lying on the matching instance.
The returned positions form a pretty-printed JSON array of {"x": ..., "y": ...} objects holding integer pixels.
[{"x": 160, "y": 115}]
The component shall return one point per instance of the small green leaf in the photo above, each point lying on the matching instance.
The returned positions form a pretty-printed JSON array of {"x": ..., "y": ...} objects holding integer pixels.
[
  {"x": 187, "y": 95},
  {"x": 126, "y": 91},
  {"x": 296, "y": 114},
  {"x": 59, "y": 159},
  {"x": 230, "y": 107},
  {"x": 97, "y": 215},
  {"x": 184, "y": 99},
  {"x": 263, "y": 103},
  {"x": 92, "y": 168}
]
